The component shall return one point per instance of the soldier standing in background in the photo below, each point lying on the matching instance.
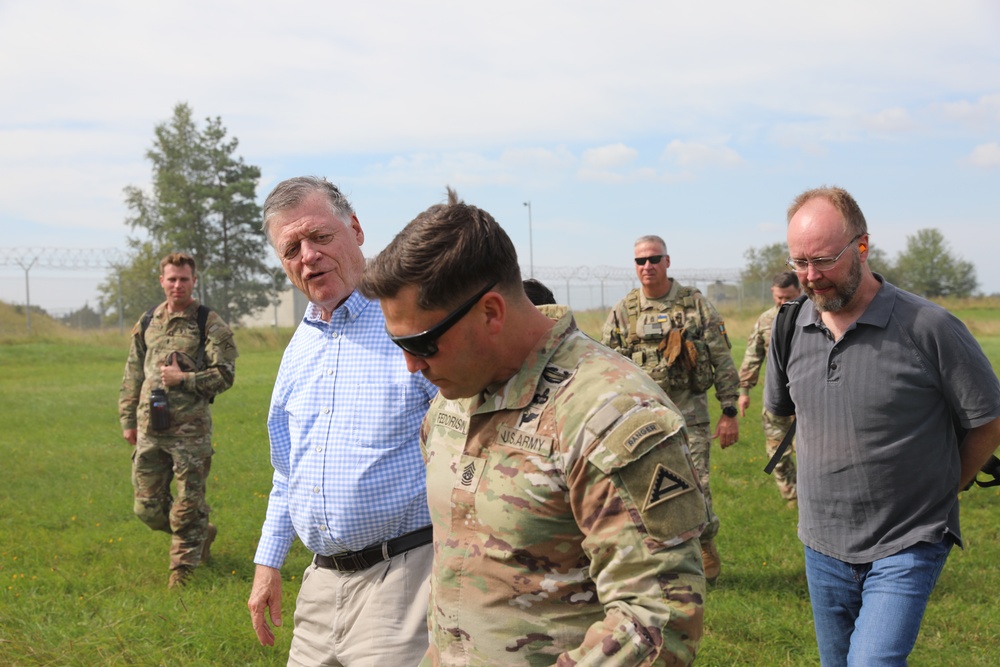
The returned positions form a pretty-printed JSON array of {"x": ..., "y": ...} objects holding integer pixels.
[
  {"x": 784, "y": 287},
  {"x": 182, "y": 355},
  {"x": 565, "y": 505},
  {"x": 674, "y": 334}
]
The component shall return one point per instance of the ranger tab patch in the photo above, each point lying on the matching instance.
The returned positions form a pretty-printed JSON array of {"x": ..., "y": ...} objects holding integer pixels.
[
  {"x": 641, "y": 433},
  {"x": 665, "y": 486}
]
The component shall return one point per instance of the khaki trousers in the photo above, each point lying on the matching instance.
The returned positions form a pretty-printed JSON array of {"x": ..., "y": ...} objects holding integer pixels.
[{"x": 372, "y": 618}]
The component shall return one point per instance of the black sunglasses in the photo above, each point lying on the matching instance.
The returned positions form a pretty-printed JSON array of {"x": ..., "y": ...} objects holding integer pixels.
[
  {"x": 424, "y": 344},
  {"x": 654, "y": 259}
]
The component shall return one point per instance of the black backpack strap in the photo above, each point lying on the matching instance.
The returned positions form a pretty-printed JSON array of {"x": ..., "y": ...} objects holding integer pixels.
[
  {"x": 782, "y": 331},
  {"x": 202, "y": 318},
  {"x": 991, "y": 468},
  {"x": 147, "y": 317},
  {"x": 779, "y": 452}
]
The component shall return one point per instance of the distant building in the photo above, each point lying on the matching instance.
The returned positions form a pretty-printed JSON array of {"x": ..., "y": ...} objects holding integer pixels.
[{"x": 287, "y": 313}]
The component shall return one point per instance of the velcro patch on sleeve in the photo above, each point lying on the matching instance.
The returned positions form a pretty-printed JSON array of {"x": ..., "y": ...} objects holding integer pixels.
[
  {"x": 665, "y": 486},
  {"x": 635, "y": 433},
  {"x": 662, "y": 488}
]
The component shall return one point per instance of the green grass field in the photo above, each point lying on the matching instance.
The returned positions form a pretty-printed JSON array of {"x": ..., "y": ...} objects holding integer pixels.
[{"x": 83, "y": 582}]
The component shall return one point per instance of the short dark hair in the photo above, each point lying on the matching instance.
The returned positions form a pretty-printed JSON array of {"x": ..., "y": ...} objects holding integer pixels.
[
  {"x": 786, "y": 279},
  {"x": 854, "y": 219},
  {"x": 179, "y": 259},
  {"x": 538, "y": 293},
  {"x": 448, "y": 252},
  {"x": 293, "y": 191}
]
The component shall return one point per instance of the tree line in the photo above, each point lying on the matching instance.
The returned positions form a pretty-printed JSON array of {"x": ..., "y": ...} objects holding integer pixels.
[
  {"x": 203, "y": 201},
  {"x": 926, "y": 266}
]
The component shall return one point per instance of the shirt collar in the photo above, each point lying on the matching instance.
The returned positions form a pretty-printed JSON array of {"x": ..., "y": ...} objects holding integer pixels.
[
  {"x": 348, "y": 311},
  {"x": 876, "y": 314}
]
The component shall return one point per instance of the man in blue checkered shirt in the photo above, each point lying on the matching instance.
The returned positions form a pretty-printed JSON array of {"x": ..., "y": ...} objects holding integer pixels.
[{"x": 348, "y": 475}]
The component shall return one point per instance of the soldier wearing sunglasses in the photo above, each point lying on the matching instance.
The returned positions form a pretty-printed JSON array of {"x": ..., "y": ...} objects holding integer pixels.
[
  {"x": 673, "y": 333},
  {"x": 565, "y": 507}
]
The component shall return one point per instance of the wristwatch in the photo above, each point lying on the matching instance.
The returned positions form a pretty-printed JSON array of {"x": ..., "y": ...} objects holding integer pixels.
[{"x": 729, "y": 411}]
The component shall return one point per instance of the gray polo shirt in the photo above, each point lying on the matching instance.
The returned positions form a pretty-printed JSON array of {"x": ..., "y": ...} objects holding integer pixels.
[{"x": 877, "y": 448}]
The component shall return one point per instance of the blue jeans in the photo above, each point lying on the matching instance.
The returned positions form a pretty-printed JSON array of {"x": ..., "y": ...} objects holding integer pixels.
[{"x": 869, "y": 615}]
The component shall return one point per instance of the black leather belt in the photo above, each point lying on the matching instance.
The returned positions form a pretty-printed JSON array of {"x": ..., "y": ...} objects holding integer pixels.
[{"x": 354, "y": 561}]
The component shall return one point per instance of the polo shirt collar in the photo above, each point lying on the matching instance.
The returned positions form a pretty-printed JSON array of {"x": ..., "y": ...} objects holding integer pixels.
[{"x": 876, "y": 314}]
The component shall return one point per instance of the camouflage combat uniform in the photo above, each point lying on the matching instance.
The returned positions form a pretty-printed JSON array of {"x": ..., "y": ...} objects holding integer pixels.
[
  {"x": 566, "y": 512},
  {"x": 183, "y": 451},
  {"x": 775, "y": 427},
  {"x": 681, "y": 341}
]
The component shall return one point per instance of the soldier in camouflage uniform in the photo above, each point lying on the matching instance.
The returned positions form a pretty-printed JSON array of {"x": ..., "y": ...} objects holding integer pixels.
[
  {"x": 673, "y": 333},
  {"x": 784, "y": 287},
  {"x": 168, "y": 354},
  {"x": 565, "y": 504}
]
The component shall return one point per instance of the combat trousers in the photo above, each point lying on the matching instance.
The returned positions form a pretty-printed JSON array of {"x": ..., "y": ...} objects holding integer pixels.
[
  {"x": 187, "y": 462},
  {"x": 784, "y": 473},
  {"x": 700, "y": 444}
]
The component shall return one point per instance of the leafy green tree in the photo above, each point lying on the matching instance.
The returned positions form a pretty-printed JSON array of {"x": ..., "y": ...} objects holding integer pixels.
[
  {"x": 763, "y": 264},
  {"x": 928, "y": 268},
  {"x": 203, "y": 202}
]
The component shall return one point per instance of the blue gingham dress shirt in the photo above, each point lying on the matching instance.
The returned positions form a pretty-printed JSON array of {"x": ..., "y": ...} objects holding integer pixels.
[{"x": 344, "y": 426}]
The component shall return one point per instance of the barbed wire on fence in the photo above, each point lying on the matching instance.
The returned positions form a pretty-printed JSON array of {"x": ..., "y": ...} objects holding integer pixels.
[
  {"x": 578, "y": 286},
  {"x": 60, "y": 258}
]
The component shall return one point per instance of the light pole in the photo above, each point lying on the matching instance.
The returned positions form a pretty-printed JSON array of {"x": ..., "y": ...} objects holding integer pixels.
[{"x": 531, "y": 249}]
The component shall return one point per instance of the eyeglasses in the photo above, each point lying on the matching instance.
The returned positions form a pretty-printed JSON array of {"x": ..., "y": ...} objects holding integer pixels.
[
  {"x": 424, "y": 344},
  {"x": 819, "y": 263},
  {"x": 653, "y": 259}
]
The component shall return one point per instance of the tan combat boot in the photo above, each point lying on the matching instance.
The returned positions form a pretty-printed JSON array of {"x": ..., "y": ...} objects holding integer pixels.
[
  {"x": 711, "y": 561},
  {"x": 206, "y": 547},
  {"x": 179, "y": 577}
]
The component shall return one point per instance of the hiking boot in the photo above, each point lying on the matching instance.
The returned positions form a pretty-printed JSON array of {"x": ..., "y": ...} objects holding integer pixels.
[
  {"x": 206, "y": 547},
  {"x": 711, "y": 560},
  {"x": 179, "y": 577}
]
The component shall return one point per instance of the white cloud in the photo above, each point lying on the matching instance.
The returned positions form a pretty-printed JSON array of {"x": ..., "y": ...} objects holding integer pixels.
[
  {"x": 609, "y": 157},
  {"x": 986, "y": 156},
  {"x": 983, "y": 112},
  {"x": 695, "y": 155},
  {"x": 891, "y": 120}
]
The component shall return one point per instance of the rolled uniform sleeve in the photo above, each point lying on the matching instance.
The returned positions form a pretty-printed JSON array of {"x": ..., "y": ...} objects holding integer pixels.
[
  {"x": 754, "y": 357},
  {"x": 131, "y": 387},
  {"x": 727, "y": 380}
]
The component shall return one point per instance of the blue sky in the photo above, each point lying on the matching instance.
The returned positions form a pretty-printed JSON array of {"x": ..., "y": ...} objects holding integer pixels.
[{"x": 695, "y": 121}]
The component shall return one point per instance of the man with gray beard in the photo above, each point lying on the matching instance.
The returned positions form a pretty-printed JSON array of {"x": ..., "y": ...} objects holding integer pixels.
[{"x": 897, "y": 409}]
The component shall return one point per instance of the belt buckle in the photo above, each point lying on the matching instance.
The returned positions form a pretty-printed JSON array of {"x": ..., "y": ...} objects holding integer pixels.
[{"x": 352, "y": 562}]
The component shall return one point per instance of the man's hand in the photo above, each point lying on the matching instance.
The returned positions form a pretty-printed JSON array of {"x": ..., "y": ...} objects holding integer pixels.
[
  {"x": 727, "y": 431},
  {"x": 130, "y": 434},
  {"x": 172, "y": 375},
  {"x": 743, "y": 402},
  {"x": 265, "y": 594}
]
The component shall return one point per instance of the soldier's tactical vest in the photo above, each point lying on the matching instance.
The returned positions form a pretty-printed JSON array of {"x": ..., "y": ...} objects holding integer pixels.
[{"x": 670, "y": 345}]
